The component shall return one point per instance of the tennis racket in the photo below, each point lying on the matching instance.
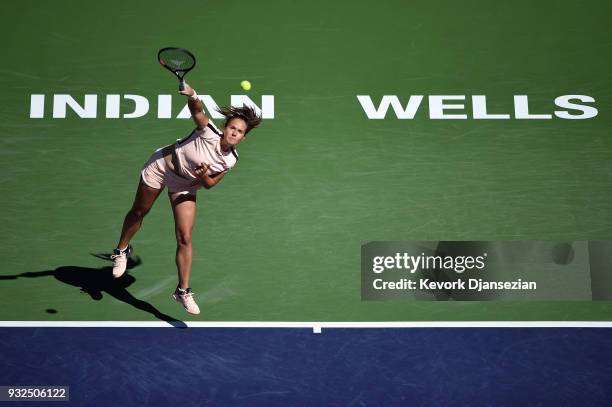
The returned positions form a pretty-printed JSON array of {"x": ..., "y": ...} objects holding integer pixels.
[{"x": 179, "y": 61}]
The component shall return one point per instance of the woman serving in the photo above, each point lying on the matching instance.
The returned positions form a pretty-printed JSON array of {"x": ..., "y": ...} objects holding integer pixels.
[{"x": 199, "y": 160}]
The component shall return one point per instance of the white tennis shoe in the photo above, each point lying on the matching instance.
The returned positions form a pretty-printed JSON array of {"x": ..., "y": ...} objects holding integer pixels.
[
  {"x": 119, "y": 258},
  {"x": 185, "y": 298}
]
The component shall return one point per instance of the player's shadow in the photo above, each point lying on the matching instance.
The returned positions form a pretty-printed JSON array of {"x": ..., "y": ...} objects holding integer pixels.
[{"x": 96, "y": 281}]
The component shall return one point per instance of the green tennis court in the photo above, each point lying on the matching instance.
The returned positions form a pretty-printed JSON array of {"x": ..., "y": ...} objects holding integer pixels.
[{"x": 279, "y": 239}]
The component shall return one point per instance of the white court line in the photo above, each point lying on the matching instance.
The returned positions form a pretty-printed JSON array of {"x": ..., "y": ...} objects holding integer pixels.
[{"x": 315, "y": 326}]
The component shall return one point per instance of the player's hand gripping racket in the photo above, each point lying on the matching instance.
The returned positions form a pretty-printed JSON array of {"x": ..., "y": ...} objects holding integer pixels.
[{"x": 179, "y": 61}]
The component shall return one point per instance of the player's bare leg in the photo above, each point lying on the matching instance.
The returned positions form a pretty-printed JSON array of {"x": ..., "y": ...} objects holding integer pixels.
[
  {"x": 143, "y": 202},
  {"x": 184, "y": 210}
]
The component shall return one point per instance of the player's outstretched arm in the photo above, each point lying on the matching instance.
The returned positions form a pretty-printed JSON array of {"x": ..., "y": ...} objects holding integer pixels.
[{"x": 195, "y": 106}]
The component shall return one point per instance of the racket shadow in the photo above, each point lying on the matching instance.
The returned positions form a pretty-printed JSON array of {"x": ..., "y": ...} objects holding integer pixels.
[{"x": 97, "y": 281}]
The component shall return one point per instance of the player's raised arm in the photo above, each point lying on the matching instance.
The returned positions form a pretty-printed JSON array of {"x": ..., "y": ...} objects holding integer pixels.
[{"x": 195, "y": 106}]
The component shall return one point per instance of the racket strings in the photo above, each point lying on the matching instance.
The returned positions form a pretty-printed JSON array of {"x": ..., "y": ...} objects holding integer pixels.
[{"x": 176, "y": 60}]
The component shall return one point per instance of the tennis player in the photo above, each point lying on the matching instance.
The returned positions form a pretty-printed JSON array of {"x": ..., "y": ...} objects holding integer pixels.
[{"x": 199, "y": 160}]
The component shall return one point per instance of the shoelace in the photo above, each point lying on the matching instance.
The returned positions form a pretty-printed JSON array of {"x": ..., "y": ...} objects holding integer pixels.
[
  {"x": 187, "y": 297},
  {"x": 127, "y": 252}
]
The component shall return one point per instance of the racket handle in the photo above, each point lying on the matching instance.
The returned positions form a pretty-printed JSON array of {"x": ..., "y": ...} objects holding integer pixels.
[{"x": 182, "y": 85}]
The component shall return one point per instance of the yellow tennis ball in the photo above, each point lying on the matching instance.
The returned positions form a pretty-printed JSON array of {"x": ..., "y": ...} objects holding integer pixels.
[{"x": 246, "y": 85}]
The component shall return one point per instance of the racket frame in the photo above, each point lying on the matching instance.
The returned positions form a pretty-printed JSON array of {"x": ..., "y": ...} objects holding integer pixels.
[{"x": 180, "y": 73}]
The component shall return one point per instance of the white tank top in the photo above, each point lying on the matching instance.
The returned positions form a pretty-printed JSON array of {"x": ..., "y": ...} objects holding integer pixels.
[{"x": 203, "y": 146}]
